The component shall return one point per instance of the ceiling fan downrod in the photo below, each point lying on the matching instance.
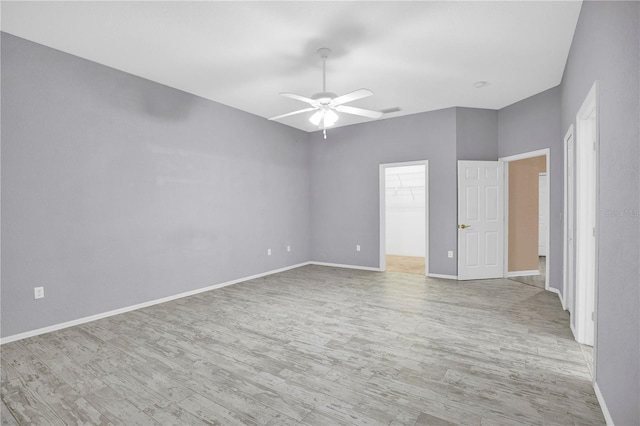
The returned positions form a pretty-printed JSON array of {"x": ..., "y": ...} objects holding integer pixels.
[{"x": 324, "y": 54}]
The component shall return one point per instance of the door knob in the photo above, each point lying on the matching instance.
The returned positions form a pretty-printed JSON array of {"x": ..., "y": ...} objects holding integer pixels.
[{"x": 463, "y": 226}]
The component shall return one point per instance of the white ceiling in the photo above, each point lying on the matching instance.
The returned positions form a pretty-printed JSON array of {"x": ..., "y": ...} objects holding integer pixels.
[
  {"x": 404, "y": 176},
  {"x": 405, "y": 184},
  {"x": 419, "y": 56}
]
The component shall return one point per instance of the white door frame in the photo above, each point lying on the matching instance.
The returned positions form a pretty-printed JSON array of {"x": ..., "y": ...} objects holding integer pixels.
[
  {"x": 568, "y": 282},
  {"x": 546, "y": 152},
  {"x": 383, "y": 213},
  {"x": 586, "y": 206}
]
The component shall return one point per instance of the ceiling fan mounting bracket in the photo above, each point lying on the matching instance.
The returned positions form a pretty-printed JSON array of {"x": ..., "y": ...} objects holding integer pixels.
[{"x": 324, "y": 52}]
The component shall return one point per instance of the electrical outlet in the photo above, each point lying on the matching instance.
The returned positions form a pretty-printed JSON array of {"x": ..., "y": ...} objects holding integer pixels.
[
  {"x": 450, "y": 254},
  {"x": 288, "y": 248},
  {"x": 357, "y": 247},
  {"x": 38, "y": 292},
  {"x": 268, "y": 252}
]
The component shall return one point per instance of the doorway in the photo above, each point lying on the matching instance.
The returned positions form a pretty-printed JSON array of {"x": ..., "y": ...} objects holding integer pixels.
[
  {"x": 403, "y": 217},
  {"x": 528, "y": 205},
  {"x": 527, "y": 178}
]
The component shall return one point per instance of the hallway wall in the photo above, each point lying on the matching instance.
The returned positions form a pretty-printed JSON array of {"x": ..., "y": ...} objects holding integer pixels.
[{"x": 606, "y": 48}]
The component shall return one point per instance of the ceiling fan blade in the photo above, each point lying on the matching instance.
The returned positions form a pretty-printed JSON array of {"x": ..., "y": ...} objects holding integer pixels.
[
  {"x": 300, "y": 111},
  {"x": 299, "y": 98},
  {"x": 359, "y": 111},
  {"x": 356, "y": 94}
]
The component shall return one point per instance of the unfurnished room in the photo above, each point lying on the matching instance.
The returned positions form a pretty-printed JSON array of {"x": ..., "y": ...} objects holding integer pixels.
[{"x": 396, "y": 213}]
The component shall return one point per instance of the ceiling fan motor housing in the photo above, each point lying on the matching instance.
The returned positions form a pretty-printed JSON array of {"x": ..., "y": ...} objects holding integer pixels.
[{"x": 324, "y": 98}]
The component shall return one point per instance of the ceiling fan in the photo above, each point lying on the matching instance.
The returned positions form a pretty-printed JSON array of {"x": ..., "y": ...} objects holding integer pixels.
[{"x": 327, "y": 104}]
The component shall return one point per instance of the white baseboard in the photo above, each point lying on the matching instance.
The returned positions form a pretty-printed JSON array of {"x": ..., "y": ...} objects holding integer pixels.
[
  {"x": 95, "y": 317},
  {"x": 340, "y": 265},
  {"x": 573, "y": 331},
  {"x": 522, "y": 273},
  {"x": 603, "y": 405},
  {"x": 447, "y": 277}
]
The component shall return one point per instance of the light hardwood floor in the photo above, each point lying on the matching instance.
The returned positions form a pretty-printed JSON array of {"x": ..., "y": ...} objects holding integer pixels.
[
  {"x": 407, "y": 264},
  {"x": 316, "y": 346}
]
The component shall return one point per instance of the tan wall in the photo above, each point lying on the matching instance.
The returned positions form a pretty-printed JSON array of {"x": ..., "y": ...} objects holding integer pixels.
[{"x": 523, "y": 212}]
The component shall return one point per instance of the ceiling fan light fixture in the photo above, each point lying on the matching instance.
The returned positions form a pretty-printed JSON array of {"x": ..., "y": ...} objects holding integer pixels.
[
  {"x": 330, "y": 118},
  {"x": 316, "y": 117},
  {"x": 327, "y": 117}
]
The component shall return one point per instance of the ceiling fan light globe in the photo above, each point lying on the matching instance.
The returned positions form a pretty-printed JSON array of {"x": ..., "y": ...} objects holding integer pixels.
[
  {"x": 316, "y": 117},
  {"x": 330, "y": 118}
]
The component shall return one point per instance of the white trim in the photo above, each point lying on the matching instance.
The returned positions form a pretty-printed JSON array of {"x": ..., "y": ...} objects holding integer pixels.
[
  {"x": 118, "y": 311},
  {"x": 556, "y": 291},
  {"x": 505, "y": 207},
  {"x": 586, "y": 238},
  {"x": 526, "y": 155},
  {"x": 547, "y": 153},
  {"x": 523, "y": 273},
  {"x": 383, "y": 216},
  {"x": 569, "y": 136},
  {"x": 603, "y": 405},
  {"x": 447, "y": 277},
  {"x": 340, "y": 265},
  {"x": 382, "y": 202},
  {"x": 573, "y": 330}
]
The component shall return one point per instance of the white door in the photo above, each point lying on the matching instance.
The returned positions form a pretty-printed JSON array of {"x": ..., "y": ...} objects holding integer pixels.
[
  {"x": 542, "y": 214},
  {"x": 480, "y": 219}
]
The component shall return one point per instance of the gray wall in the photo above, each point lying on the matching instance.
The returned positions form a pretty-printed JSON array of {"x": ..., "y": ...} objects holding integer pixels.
[
  {"x": 530, "y": 125},
  {"x": 606, "y": 48},
  {"x": 344, "y": 180},
  {"x": 117, "y": 190},
  {"x": 345, "y": 208},
  {"x": 476, "y": 134}
]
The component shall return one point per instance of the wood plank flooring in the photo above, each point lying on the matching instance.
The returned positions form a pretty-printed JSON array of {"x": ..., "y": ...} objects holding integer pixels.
[
  {"x": 407, "y": 264},
  {"x": 313, "y": 346}
]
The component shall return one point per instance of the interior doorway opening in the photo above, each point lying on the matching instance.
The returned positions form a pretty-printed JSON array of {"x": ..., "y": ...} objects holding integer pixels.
[
  {"x": 528, "y": 211},
  {"x": 403, "y": 217},
  {"x": 527, "y": 202}
]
